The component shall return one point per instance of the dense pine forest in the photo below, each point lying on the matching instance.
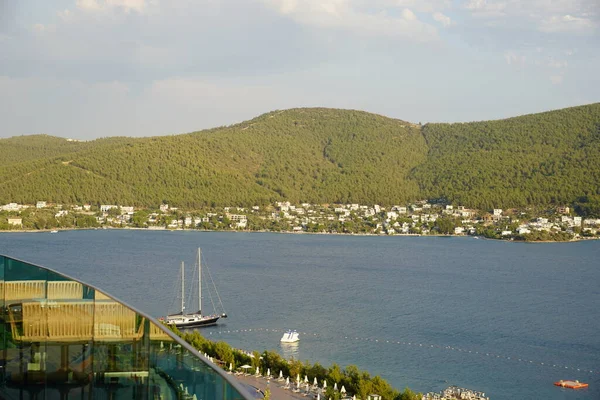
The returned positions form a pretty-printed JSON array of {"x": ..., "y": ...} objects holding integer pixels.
[
  {"x": 319, "y": 155},
  {"x": 547, "y": 158}
]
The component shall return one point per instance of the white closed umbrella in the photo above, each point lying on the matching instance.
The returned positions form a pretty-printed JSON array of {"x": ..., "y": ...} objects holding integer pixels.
[
  {"x": 318, "y": 396},
  {"x": 287, "y": 380},
  {"x": 354, "y": 397},
  {"x": 194, "y": 397},
  {"x": 324, "y": 384},
  {"x": 268, "y": 371},
  {"x": 335, "y": 386},
  {"x": 298, "y": 378},
  {"x": 305, "y": 378},
  {"x": 315, "y": 381},
  {"x": 230, "y": 366},
  {"x": 280, "y": 374},
  {"x": 343, "y": 389}
]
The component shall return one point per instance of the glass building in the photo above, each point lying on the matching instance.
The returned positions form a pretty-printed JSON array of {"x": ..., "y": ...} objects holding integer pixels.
[{"x": 63, "y": 339}]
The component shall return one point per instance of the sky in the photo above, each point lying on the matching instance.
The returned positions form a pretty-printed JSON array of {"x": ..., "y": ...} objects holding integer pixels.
[{"x": 86, "y": 69}]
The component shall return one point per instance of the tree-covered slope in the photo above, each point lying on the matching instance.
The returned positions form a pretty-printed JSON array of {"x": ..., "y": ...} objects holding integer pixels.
[
  {"x": 34, "y": 147},
  {"x": 546, "y": 158},
  {"x": 321, "y": 155},
  {"x": 301, "y": 155}
]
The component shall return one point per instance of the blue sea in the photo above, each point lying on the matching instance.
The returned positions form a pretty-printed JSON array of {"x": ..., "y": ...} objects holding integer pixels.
[{"x": 508, "y": 319}]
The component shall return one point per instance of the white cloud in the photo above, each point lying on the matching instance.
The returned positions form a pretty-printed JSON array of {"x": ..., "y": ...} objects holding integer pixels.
[
  {"x": 425, "y": 6},
  {"x": 65, "y": 15},
  {"x": 512, "y": 58},
  {"x": 442, "y": 19},
  {"x": 127, "y": 5},
  {"x": 566, "y": 23},
  {"x": 481, "y": 8},
  {"x": 356, "y": 16},
  {"x": 88, "y": 5},
  {"x": 577, "y": 16},
  {"x": 556, "y": 79},
  {"x": 557, "y": 64},
  {"x": 103, "y": 5},
  {"x": 408, "y": 15},
  {"x": 40, "y": 29}
]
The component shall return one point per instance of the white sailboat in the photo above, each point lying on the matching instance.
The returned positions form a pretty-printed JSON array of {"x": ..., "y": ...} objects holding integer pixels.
[{"x": 197, "y": 319}]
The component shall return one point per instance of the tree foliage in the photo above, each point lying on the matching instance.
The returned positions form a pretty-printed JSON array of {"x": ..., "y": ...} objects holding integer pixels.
[
  {"x": 318, "y": 156},
  {"x": 546, "y": 158},
  {"x": 354, "y": 380}
]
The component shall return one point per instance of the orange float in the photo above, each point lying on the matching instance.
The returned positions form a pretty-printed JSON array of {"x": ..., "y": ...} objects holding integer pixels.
[{"x": 571, "y": 384}]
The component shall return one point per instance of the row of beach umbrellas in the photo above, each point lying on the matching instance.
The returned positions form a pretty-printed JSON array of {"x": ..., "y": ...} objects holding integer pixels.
[{"x": 315, "y": 383}]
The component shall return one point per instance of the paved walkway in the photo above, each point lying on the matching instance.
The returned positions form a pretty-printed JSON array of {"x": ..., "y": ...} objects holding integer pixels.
[{"x": 277, "y": 390}]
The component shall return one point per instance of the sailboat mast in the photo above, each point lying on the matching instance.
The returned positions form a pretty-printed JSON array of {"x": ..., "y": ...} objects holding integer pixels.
[
  {"x": 182, "y": 288},
  {"x": 199, "y": 283}
]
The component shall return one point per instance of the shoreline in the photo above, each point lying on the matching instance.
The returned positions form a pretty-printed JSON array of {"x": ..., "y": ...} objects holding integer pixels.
[{"x": 574, "y": 240}]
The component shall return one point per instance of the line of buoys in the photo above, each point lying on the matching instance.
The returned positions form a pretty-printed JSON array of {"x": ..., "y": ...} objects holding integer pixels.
[{"x": 451, "y": 348}]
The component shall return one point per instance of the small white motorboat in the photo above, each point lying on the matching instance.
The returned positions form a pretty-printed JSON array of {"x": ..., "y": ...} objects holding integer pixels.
[{"x": 290, "y": 337}]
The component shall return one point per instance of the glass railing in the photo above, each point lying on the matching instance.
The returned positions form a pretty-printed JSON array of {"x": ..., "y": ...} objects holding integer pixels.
[{"x": 64, "y": 339}]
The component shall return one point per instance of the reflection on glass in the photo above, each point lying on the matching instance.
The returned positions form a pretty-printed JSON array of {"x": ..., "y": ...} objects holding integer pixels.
[{"x": 63, "y": 339}]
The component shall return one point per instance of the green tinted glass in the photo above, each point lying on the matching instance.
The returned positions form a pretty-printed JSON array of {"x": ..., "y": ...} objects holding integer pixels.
[{"x": 64, "y": 339}]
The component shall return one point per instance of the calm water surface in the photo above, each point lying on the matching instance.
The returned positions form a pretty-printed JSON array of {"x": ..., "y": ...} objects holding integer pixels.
[{"x": 505, "y": 318}]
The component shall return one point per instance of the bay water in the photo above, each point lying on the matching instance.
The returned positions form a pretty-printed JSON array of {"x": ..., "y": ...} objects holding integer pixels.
[{"x": 505, "y": 318}]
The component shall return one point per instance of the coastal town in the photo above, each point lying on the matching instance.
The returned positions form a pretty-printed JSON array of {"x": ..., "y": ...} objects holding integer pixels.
[{"x": 419, "y": 218}]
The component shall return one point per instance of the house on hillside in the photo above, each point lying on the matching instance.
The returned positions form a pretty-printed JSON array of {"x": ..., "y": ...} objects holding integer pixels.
[
  {"x": 563, "y": 210},
  {"x": 15, "y": 221},
  {"x": 11, "y": 207}
]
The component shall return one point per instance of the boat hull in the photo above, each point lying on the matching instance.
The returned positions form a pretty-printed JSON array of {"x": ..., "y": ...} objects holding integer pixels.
[{"x": 196, "y": 322}]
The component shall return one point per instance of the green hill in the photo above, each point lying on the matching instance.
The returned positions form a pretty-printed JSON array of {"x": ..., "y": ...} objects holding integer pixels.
[
  {"x": 539, "y": 159},
  {"x": 301, "y": 155},
  {"x": 319, "y": 155}
]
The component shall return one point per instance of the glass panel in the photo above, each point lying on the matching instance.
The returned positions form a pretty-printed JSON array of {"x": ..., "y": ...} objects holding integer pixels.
[
  {"x": 70, "y": 321},
  {"x": 64, "y": 339},
  {"x": 26, "y": 318}
]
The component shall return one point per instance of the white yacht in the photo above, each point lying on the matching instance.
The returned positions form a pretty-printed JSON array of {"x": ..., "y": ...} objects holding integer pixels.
[{"x": 290, "y": 337}]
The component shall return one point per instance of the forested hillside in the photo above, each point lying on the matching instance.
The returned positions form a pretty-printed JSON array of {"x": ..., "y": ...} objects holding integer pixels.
[
  {"x": 301, "y": 155},
  {"x": 546, "y": 158},
  {"x": 320, "y": 156}
]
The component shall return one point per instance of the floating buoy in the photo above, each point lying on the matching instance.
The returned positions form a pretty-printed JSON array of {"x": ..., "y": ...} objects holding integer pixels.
[{"x": 571, "y": 384}]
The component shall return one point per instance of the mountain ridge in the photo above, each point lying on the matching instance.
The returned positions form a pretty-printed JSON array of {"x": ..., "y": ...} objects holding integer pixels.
[{"x": 319, "y": 155}]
